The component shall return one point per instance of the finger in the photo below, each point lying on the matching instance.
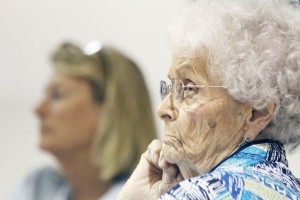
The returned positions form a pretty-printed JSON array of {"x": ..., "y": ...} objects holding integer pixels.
[
  {"x": 170, "y": 177},
  {"x": 153, "y": 151},
  {"x": 179, "y": 176},
  {"x": 169, "y": 174},
  {"x": 170, "y": 171}
]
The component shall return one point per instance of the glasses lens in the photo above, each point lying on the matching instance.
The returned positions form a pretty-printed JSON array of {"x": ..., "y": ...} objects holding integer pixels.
[
  {"x": 177, "y": 90},
  {"x": 163, "y": 90}
]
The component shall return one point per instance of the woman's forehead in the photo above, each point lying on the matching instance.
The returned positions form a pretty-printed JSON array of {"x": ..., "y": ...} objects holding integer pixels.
[
  {"x": 59, "y": 78},
  {"x": 188, "y": 67}
]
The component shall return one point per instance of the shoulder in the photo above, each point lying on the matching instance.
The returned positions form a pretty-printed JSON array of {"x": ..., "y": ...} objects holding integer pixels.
[
  {"x": 113, "y": 192},
  {"x": 208, "y": 186},
  {"x": 266, "y": 181},
  {"x": 273, "y": 177},
  {"x": 39, "y": 183},
  {"x": 46, "y": 175}
]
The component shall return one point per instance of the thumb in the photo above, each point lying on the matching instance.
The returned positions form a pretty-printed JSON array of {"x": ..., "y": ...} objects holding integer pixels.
[{"x": 170, "y": 176}]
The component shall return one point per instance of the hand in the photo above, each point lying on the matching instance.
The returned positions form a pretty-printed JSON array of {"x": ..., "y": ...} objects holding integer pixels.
[{"x": 152, "y": 177}]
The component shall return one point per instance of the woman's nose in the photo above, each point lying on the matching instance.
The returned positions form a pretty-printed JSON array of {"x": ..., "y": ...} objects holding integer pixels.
[
  {"x": 40, "y": 109},
  {"x": 166, "y": 109}
]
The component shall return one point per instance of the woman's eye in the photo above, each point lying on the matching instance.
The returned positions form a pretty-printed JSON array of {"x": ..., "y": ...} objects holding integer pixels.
[
  {"x": 191, "y": 88},
  {"x": 57, "y": 94}
]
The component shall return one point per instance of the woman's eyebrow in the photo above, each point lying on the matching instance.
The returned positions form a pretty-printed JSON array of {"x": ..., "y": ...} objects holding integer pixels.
[
  {"x": 185, "y": 69},
  {"x": 180, "y": 70}
]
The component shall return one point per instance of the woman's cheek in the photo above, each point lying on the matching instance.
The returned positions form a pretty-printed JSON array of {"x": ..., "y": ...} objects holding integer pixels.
[{"x": 188, "y": 125}]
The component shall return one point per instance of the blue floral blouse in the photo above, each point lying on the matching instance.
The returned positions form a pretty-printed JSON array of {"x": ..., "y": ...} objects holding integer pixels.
[{"x": 256, "y": 171}]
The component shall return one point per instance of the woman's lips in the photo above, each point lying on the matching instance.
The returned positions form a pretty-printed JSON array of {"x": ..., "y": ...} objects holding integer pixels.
[
  {"x": 45, "y": 129},
  {"x": 169, "y": 140}
]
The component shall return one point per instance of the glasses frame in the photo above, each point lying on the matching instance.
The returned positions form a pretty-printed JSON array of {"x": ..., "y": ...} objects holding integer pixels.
[{"x": 166, "y": 89}]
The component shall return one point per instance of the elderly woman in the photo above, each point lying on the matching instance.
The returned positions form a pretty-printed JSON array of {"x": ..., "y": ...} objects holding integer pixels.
[
  {"x": 232, "y": 104},
  {"x": 91, "y": 122}
]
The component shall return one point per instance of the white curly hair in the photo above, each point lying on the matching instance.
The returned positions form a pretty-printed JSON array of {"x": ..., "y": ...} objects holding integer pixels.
[{"x": 253, "y": 49}]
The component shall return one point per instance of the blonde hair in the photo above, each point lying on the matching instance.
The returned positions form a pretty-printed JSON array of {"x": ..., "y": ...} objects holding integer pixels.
[{"x": 127, "y": 125}]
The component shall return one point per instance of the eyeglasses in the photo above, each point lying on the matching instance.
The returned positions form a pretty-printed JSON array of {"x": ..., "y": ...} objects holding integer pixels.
[{"x": 179, "y": 90}]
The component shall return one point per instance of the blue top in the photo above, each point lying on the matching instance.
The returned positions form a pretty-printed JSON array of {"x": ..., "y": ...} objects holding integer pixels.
[
  {"x": 49, "y": 184},
  {"x": 257, "y": 170}
]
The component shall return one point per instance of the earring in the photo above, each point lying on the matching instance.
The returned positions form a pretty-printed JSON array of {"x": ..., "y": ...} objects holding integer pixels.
[{"x": 245, "y": 141}]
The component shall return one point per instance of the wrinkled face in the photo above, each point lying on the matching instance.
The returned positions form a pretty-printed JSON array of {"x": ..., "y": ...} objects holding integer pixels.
[
  {"x": 203, "y": 128},
  {"x": 68, "y": 114}
]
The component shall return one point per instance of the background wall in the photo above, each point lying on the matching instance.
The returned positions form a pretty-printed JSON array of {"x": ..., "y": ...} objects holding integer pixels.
[{"x": 31, "y": 29}]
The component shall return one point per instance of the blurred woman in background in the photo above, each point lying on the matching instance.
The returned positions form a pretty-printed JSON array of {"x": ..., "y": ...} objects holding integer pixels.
[{"x": 95, "y": 119}]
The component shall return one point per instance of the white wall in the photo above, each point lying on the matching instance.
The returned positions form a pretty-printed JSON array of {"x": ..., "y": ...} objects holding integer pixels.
[{"x": 31, "y": 29}]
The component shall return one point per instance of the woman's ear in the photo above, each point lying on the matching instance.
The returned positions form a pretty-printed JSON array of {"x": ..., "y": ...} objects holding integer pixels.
[{"x": 258, "y": 120}]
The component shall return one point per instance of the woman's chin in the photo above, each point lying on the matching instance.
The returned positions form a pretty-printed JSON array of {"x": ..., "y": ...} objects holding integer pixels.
[
  {"x": 170, "y": 154},
  {"x": 47, "y": 145},
  {"x": 43, "y": 146}
]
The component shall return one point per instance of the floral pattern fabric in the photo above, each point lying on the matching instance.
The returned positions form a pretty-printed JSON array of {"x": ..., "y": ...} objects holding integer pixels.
[{"x": 256, "y": 171}]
